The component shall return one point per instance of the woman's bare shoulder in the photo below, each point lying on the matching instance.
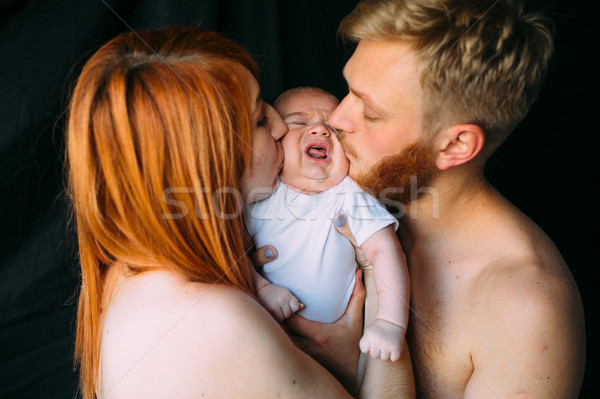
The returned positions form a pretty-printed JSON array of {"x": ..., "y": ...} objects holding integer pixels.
[
  {"x": 158, "y": 322},
  {"x": 169, "y": 336}
]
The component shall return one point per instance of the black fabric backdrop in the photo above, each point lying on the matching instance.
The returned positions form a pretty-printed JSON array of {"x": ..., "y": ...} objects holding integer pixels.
[{"x": 548, "y": 167}]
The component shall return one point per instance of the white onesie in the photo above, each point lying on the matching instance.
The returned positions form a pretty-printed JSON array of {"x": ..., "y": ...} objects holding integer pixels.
[{"x": 315, "y": 262}]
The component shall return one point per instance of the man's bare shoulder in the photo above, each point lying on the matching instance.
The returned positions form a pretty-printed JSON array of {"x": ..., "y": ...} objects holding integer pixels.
[
  {"x": 512, "y": 247},
  {"x": 519, "y": 287},
  {"x": 522, "y": 274},
  {"x": 530, "y": 336},
  {"x": 529, "y": 317},
  {"x": 527, "y": 313}
]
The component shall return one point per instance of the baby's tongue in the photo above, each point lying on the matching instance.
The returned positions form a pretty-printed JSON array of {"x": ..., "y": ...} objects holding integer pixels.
[{"x": 317, "y": 152}]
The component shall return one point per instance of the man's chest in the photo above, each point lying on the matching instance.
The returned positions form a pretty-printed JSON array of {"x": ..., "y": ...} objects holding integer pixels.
[{"x": 440, "y": 331}]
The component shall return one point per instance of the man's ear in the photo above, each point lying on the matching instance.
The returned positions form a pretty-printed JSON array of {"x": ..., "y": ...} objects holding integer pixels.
[{"x": 458, "y": 145}]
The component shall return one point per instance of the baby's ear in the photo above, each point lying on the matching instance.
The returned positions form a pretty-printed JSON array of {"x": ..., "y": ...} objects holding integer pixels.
[{"x": 458, "y": 145}]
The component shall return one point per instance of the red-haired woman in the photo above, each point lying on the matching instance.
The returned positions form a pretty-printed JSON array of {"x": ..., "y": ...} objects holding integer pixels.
[{"x": 165, "y": 128}]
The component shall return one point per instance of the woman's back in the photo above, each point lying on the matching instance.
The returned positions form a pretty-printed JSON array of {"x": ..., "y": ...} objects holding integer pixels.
[
  {"x": 164, "y": 336},
  {"x": 143, "y": 324},
  {"x": 153, "y": 121}
]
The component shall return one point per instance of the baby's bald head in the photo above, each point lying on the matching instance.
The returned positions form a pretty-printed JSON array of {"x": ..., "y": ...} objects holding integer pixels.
[{"x": 296, "y": 91}]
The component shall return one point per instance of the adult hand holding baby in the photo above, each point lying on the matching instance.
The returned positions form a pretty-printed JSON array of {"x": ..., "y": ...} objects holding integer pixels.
[{"x": 334, "y": 345}]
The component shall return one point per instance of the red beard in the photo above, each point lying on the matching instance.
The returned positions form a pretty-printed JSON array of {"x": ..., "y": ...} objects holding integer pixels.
[{"x": 401, "y": 177}]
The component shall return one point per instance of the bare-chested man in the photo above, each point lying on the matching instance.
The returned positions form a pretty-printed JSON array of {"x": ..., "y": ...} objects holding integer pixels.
[{"x": 434, "y": 88}]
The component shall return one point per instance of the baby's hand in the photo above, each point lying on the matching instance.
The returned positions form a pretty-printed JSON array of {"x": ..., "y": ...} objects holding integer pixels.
[
  {"x": 279, "y": 301},
  {"x": 383, "y": 340}
]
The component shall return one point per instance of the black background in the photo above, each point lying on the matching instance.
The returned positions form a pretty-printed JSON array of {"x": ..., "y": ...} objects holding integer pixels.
[{"x": 548, "y": 167}]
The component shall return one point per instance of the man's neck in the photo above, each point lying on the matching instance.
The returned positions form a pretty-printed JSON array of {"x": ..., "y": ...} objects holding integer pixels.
[{"x": 442, "y": 209}]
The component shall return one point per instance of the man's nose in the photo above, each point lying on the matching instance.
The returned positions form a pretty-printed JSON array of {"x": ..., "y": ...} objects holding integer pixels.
[
  {"x": 339, "y": 119},
  {"x": 319, "y": 130}
]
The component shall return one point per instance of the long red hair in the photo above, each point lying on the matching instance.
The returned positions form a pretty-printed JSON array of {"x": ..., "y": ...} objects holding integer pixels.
[{"x": 158, "y": 122}]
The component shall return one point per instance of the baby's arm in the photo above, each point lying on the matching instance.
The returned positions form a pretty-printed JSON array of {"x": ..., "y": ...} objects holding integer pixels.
[
  {"x": 278, "y": 300},
  {"x": 384, "y": 338}
]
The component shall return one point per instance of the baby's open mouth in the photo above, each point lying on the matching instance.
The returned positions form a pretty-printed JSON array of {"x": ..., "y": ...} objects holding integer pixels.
[{"x": 317, "y": 152}]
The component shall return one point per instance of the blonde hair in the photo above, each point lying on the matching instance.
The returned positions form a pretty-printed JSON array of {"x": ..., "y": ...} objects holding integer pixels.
[
  {"x": 151, "y": 111},
  {"x": 480, "y": 62}
]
